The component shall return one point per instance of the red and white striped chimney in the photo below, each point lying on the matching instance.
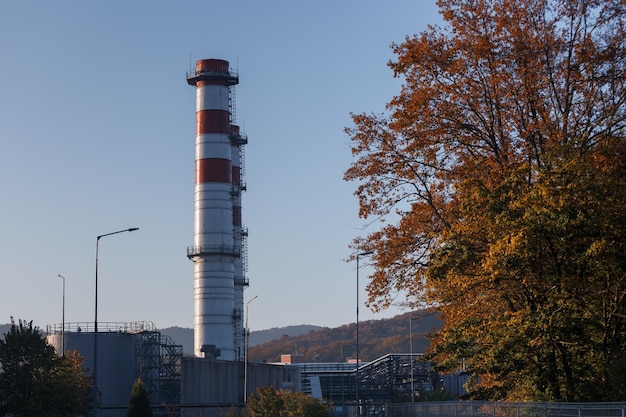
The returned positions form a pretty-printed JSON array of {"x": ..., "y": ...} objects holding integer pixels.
[{"x": 215, "y": 247}]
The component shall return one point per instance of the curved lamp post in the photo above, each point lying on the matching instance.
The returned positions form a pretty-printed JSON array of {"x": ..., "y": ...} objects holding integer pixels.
[
  {"x": 358, "y": 255},
  {"x": 95, "y": 324}
]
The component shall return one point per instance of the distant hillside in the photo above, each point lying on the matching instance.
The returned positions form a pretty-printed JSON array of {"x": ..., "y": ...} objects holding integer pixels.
[
  {"x": 263, "y": 336},
  {"x": 180, "y": 336},
  {"x": 323, "y": 344},
  {"x": 3, "y": 329},
  {"x": 376, "y": 338},
  {"x": 184, "y": 336}
]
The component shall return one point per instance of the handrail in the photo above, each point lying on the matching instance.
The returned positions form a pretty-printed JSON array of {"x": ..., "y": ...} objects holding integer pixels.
[
  {"x": 212, "y": 250},
  {"x": 103, "y": 327}
]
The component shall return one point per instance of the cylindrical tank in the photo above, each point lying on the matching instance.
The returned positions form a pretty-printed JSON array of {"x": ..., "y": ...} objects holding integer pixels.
[
  {"x": 116, "y": 361},
  {"x": 214, "y": 249}
]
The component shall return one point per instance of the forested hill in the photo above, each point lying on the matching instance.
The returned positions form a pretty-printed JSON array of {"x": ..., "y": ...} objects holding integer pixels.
[
  {"x": 184, "y": 336},
  {"x": 323, "y": 344},
  {"x": 376, "y": 338}
]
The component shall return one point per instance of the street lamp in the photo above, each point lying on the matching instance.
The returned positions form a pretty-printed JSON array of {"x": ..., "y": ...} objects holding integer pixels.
[
  {"x": 411, "y": 355},
  {"x": 63, "y": 319},
  {"x": 358, "y": 255},
  {"x": 95, "y": 324},
  {"x": 245, "y": 366}
]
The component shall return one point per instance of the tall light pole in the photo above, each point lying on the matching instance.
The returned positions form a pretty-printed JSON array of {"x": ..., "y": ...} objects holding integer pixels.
[
  {"x": 411, "y": 358},
  {"x": 245, "y": 366},
  {"x": 358, "y": 255},
  {"x": 63, "y": 319},
  {"x": 95, "y": 324}
]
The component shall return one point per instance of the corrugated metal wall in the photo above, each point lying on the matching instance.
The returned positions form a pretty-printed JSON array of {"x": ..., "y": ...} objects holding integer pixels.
[{"x": 221, "y": 383}]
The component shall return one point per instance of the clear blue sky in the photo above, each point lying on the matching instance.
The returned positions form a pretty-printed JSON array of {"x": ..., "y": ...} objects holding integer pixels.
[{"x": 97, "y": 128}]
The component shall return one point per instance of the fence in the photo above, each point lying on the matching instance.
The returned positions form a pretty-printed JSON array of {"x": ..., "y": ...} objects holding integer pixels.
[{"x": 502, "y": 409}]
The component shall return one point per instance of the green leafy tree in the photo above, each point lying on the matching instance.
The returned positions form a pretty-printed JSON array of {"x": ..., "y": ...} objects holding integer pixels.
[
  {"x": 34, "y": 381},
  {"x": 298, "y": 404},
  {"x": 265, "y": 402},
  {"x": 268, "y": 402},
  {"x": 139, "y": 401},
  {"x": 500, "y": 171}
]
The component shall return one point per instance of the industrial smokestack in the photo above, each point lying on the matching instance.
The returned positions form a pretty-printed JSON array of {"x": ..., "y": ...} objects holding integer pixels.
[
  {"x": 241, "y": 235},
  {"x": 219, "y": 236}
]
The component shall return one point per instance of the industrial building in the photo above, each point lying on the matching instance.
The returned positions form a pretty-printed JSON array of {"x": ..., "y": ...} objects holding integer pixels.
[
  {"x": 218, "y": 375},
  {"x": 177, "y": 384},
  {"x": 392, "y": 378},
  {"x": 127, "y": 351},
  {"x": 187, "y": 385}
]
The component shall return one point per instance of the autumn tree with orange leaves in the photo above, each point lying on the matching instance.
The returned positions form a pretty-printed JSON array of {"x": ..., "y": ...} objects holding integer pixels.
[{"x": 499, "y": 176}]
